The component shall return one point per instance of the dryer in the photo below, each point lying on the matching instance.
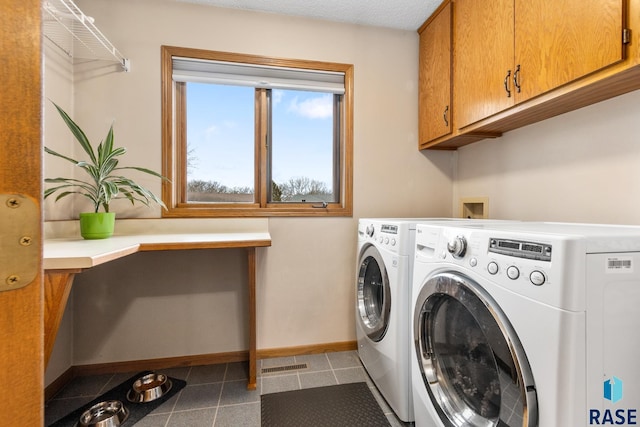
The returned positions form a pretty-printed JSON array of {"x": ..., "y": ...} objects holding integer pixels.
[{"x": 525, "y": 324}]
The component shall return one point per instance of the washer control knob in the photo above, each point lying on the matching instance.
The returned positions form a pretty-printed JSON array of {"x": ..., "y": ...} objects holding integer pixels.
[
  {"x": 369, "y": 230},
  {"x": 457, "y": 247},
  {"x": 513, "y": 273},
  {"x": 492, "y": 267},
  {"x": 537, "y": 278},
  {"x": 473, "y": 262}
]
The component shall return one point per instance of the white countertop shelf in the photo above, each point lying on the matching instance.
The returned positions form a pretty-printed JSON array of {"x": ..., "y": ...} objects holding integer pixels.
[{"x": 65, "y": 249}]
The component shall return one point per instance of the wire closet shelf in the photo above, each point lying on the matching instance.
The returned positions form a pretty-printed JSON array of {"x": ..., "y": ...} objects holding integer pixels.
[{"x": 73, "y": 32}]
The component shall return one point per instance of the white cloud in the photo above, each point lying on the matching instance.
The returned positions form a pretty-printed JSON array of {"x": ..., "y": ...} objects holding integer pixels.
[
  {"x": 213, "y": 129},
  {"x": 320, "y": 107},
  {"x": 276, "y": 96}
]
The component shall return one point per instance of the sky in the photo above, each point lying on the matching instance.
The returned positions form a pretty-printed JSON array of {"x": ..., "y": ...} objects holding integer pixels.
[{"x": 220, "y": 134}]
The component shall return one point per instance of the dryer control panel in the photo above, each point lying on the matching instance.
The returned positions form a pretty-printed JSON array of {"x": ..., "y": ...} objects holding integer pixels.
[{"x": 530, "y": 260}]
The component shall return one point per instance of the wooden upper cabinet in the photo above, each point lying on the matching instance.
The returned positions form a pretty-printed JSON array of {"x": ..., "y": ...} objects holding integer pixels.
[
  {"x": 509, "y": 51},
  {"x": 435, "y": 109},
  {"x": 483, "y": 58},
  {"x": 557, "y": 42}
]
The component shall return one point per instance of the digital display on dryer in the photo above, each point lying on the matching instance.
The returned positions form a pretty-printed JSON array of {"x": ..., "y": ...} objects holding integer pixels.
[
  {"x": 390, "y": 229},
  {"x": 521, "y": 249}
]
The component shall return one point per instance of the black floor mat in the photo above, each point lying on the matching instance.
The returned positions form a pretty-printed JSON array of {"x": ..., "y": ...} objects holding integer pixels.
[
  {"x": 137, "y": 411},
  {"x": 345, "y": 405}
]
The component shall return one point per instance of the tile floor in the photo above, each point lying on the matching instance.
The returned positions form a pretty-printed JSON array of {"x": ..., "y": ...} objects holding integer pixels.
[{"x": 217, "y": 395}]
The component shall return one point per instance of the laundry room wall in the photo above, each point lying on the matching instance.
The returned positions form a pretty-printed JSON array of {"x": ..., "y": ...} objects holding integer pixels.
[
  {"x": 305, "y": 280},
  {"x": 58, "y": 87},
  {"x": 581, "y": 166}
]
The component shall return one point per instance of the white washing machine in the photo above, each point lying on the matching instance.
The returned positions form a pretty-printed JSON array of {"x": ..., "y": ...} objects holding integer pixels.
[
  {"x": 383, "y": 315},
  {"x": 383, "y": 285},
  {"x": 526, "y": 324}
]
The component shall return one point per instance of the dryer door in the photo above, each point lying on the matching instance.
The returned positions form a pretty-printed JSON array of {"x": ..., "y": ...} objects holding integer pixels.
[
  {"x": 374, "y": 295},
  {"x": 472, "y": 362}
]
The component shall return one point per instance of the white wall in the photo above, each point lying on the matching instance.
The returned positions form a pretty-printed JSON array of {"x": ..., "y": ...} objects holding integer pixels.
[
  {"x": 583, "y": 166},
  {"x": 58, "y": 87},
  {"x": 157, "y": 305}
]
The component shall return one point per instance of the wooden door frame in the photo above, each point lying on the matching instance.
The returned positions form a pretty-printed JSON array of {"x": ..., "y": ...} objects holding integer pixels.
[{"x": 21, "y": 310}]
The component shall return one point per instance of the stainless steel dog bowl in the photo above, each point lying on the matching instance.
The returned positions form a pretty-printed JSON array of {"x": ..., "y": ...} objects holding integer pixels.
[
  {"x": 111, "y": 413},
  {"x": 149, "y": 387}
]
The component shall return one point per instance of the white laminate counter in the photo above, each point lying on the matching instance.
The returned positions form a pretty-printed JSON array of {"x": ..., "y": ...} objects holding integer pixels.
[{"x": 65, "y": 249}]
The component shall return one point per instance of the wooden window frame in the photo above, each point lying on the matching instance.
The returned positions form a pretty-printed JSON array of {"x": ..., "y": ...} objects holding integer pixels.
[{"x": 174, "y": 151}]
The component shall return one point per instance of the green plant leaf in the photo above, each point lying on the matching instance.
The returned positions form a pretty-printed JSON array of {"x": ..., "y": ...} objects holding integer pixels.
[
  {"x": 77, "y": 132},
  {"x": 102, "y": 184}
]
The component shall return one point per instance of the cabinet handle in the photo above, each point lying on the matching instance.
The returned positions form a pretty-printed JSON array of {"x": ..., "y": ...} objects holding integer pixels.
[
  {"x": 516, "y": 78},
  {"x": 444, "y": 116},
  {"x": 506, "y": 84}
]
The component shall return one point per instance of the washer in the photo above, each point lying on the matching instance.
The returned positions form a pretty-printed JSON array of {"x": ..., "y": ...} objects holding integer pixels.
[
  {"x": 383, "y": 284},
  {"x": 383, "y": 316},
  {"x": 525, "y": 324}
]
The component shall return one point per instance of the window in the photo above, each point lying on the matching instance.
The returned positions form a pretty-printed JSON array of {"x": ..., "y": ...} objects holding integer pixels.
[{"x": 247, "y": 135}]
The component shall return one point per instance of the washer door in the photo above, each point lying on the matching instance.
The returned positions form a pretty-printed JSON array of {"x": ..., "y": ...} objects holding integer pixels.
[
  {"x": 472, "y": 363},
  {"x": 374, "y": 296}
]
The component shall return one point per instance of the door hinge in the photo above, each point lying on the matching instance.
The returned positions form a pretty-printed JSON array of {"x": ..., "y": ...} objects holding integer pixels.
[
  {"x": 19, "y": 241},
  {"x": 626, "y": 36}
]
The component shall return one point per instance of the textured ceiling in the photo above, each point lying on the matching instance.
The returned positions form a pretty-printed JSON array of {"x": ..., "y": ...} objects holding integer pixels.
[{"x": 399, "y": 14}]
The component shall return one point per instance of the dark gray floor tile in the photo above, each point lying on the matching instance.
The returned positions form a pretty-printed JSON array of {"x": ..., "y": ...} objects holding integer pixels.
[
  {"x": 195, "y": 418},
  {"x": 235, "y": 392},
  {"x": 198, "y": 397},
  {"x": 245, "y": 415},
  {"x": 280, "y": 383},
  {"x": 351, "y": 375},
  {"x": 277, "y": 361},
  {"x": 167, "y": 406},
  {"x": 206, "y": 374},
  {"x": 116, "y": 380},
  {"x": 153, "y": 420},
  {"x": 344, "y": 359},
  {"x": 317, "y": 379},
  {"x": 237, "y": 371},
  {"x": 315, "y": 362}
]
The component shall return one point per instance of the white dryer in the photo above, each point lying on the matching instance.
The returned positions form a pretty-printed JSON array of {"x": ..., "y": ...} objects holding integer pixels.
[
  {"x": 383, "y": 316},
  {"x": 525, "y": 324}
]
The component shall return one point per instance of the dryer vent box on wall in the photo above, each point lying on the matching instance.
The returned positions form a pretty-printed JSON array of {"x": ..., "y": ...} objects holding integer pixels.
[{"x": 474, "y": 207}]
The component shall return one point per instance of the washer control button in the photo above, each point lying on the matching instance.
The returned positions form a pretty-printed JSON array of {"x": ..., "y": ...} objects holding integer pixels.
[
  {"x": 473, "y": 262},
  {"x": 393, "y": 242},
  {"x": 537, "y": 278},
  {"x": 513, "y": 272},
  {"x": 492, "y": 268},
  {"x": 380, "y": 239},
  {"x": 386, "y": 240}
]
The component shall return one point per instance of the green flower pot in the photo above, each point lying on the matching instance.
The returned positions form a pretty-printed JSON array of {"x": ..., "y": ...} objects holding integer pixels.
[{"x": 98, "y": 225}]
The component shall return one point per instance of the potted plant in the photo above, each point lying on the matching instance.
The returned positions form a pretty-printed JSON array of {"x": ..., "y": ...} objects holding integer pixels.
[{"x": 104, "y": 182}]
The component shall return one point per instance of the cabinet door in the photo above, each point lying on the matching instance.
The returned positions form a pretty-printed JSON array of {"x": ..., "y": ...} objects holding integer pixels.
[
  {"x": 557, "y": 42},
  {"x": 435, "y": 77},
  {"x": 483, "y": 58}
]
